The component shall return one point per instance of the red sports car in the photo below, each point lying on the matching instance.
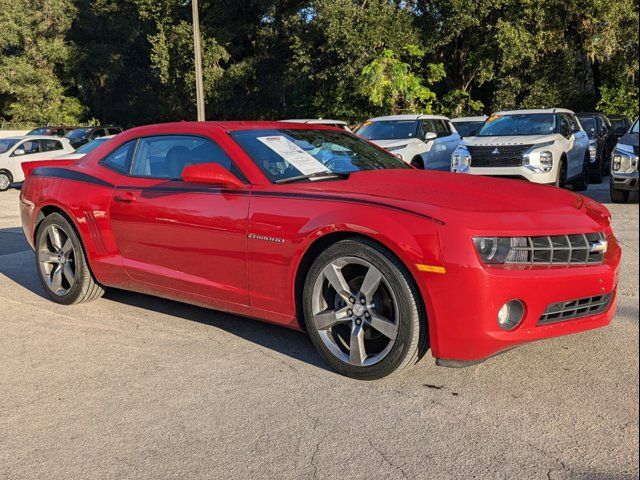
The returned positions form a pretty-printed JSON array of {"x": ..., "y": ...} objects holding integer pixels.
[{"x": 315, "y": 229}]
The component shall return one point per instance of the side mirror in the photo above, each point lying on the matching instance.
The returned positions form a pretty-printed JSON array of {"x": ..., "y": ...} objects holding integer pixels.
[
  {"x": 429, "y": 136},
  {"x": 210, "y": 174},
  {"x": 18, "y": 152}
]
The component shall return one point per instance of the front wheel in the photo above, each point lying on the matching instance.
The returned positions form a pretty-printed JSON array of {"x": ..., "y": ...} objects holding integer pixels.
[
  {"x": 5, "y": 181},
  {"x": 561, "y": 179},
  {"x": 363, "y": 311},
  {"x": 62, "y": 266},
  {"x": 619, "y": 196},
  {"x": 581, "y": 183}
]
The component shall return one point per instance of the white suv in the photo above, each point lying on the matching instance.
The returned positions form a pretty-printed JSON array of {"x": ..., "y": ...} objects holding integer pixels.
[
  {"x": 543, "y": 146},
  {"x": 424, "y": 141}
]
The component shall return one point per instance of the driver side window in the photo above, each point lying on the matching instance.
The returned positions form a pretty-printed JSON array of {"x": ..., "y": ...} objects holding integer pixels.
[{"x": 565, "y": 126}]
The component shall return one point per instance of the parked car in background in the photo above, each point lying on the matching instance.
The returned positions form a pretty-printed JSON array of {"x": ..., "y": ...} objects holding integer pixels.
[
  {"x": 424, "y": 141},
  {"x": 317, "y": 230},
  {"x": 80, "y": 136},
  {"x": 468, "y": 126},
  {"x": 624, "y": 166},
  {"x": 620, "y": 123},
  {"x": 86, "y": 148},
  {"x": 321, "y": 121},
  {"x": 601, "y": 143},
  {"x": 545, "y": 146},
  {"x": 56, "y": 131},
  {"x": 14, "y": 151}
]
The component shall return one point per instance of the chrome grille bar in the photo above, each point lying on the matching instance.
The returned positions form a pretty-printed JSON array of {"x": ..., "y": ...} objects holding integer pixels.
[{"x": 557, "y": 250}]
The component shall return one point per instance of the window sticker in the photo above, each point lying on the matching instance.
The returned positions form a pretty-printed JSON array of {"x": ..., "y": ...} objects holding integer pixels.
[{"x": 294, "y": 155}]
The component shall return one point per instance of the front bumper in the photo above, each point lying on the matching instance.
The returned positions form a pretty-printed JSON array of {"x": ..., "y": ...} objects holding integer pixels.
[
  {"x": 465, "y": 302},
  {"x": 625, "y": 181},
  {"x": 523, "y": 173}
]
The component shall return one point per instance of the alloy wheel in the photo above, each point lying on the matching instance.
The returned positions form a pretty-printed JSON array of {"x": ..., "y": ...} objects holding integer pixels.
[
  {"x": 5, "y": 182},
  {"x": 355, "y": 311},
  {"x": 57, "y": 260}
]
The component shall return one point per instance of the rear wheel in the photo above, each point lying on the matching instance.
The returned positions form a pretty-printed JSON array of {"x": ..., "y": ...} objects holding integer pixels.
[
  {"x": 62, "y": 266},
  {"x": 619, "y": 196},
  {"x": 581, "y": 183},
  {"x": 5, "y": 180},
  {"x": 362, "y": 310}
]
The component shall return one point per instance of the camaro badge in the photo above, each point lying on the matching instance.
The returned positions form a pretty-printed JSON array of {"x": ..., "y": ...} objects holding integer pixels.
[
  {"x": 600, "y": 246},
  {"x": 253, "y": 236}
]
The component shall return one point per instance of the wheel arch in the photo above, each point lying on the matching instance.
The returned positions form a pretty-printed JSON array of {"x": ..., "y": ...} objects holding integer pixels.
[{"x": 322, "y": 243}]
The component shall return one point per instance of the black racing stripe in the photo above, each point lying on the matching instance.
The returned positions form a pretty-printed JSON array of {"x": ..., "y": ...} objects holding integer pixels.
[
  {"x": 335, "y": 198},
  {"x": 165, "y": 189},
  {"x": 55, "y": 172}
]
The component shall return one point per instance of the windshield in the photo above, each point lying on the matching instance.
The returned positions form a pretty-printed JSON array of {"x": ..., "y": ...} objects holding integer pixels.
[
  {"x": 290, "y": 154},
  {"x": 467, "y": 129},
  {"x": 87, "y": 147},
  {"x": 589, "y": 125},
  {"x": 6, "y": 144},
  {"x": 39, "y": 131},
  {"x": 618, "y": 124},
  {"x": 519, "y": 124},
  {"x": 634, "y": 127},
  {"x": 78, "y": 133},
  {"x": 389, "y": 130}
]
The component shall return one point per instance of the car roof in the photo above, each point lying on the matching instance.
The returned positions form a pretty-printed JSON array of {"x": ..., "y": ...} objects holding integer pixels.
[
  {"x": 225, "y": 126},
  {"x": 316, "y": 121},
  {"x": 533, "y": 111},
  {"x": 481, "y": 118},
  {"x": 391, "y": 118},
  {"x": 36, "y": 137},
  {"x": 618, "y": 117}
]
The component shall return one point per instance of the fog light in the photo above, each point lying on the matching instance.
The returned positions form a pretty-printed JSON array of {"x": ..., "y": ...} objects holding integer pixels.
[{"x": 510, "y": 315}]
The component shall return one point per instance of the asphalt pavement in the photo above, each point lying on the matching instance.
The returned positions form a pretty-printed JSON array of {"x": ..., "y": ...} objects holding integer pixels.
[{"x": 135, "y": 387}]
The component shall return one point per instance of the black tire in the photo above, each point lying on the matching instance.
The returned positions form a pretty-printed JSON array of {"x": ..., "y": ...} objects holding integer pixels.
[
  {"x": 85, "y": 287},
  {"x": 619, "y": 196},
  {"x": 411, "y": 340},
  {"x": 418, "y": 162},
  {"x": 581, "y": 183},
  {"x": 6, "y": 179},
  {"x": 561, "y": 180},
  {"x": 597, "y": 176}
]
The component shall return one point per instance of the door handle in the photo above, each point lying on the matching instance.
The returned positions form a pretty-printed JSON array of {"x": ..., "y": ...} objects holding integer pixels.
[{"x": 127, "y": 197}]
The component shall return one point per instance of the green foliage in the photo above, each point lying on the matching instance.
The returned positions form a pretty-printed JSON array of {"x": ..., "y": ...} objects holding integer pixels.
[
  {"x": 395, "y": 86},
  {"x": 131, "y": 61}
]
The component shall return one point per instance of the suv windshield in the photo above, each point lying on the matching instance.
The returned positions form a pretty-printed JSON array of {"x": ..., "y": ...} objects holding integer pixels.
[
  {"x": 467, "y": 129},
  {"x": 589, "y": 125},
  {"x": 78, "y": 133},
  {"x": 291, "y": 155},
  {"x": 87, "y": 147},
  {"x": 634, "y": 127},
  {"x": 519, "y": 124},
  {"x": 389, "y": 130}
]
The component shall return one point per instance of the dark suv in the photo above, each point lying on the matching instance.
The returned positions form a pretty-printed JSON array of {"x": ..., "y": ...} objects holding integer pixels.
[
  {"x": 80, "y": 136},
  {"x": 56, "y": 131},
  {"x": 602, "y": 141},
  {"x": 620, "y": 124}
]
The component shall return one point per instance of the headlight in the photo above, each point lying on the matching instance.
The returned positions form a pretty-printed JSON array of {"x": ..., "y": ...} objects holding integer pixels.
[
  {"x": 538, "y": 161},
  {"x": 460, "y": 159},
  {"x": 498, "y": 250},
  {"x": 624, "y": 160},
  {"x": 396, "y": 148}
]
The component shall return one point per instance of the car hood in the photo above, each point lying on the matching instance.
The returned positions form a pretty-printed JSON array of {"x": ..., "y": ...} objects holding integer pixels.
[
  {"x": 419, "y": 190},
  {"x": 629, "y": 139},
  {"x": 511, "y": 140}
]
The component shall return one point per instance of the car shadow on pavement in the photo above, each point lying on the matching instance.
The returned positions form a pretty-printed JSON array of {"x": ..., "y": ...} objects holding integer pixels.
[{"x": 18, "y": 265}]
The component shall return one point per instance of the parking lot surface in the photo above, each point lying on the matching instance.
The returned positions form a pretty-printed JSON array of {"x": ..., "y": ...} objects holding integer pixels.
[{"x": 137, "y": 387}]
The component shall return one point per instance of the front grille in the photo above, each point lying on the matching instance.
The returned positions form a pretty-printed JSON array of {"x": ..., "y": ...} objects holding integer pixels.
[
  {"x": 584, "y": 307},
  {"x": 558, "y": 250},
  {"x": 497, "y": 156}
]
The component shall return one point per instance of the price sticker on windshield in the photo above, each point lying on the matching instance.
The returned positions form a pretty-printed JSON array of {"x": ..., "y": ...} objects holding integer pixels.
[{"x": 294, "y": 155}]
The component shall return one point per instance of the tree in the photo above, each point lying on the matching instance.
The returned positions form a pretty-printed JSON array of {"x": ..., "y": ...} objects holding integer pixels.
[{"x": 34, "y": 79}]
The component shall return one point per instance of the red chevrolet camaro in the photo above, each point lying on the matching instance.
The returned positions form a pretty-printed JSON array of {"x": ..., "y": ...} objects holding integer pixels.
[{"x": 315, "y": 229}]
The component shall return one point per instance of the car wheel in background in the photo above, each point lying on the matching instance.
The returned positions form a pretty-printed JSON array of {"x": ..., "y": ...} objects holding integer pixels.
[
  {"x": 418, "y": 162},
  {"x": 62, "y": 266},
  {"x": 618, "y": 196},
  {"x": 597, "y": 176},
  {"x": 561, "y": 180},
  {"x": 363, "y": 311},
  {"x": 581, "y": 183},
  {"x": 5, "y": 180}
]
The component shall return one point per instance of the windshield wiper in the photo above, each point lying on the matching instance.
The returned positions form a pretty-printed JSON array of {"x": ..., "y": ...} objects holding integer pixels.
[{"x": 314, "y": 176}]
